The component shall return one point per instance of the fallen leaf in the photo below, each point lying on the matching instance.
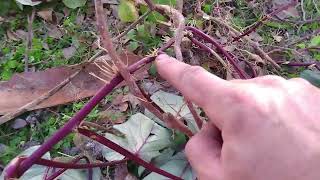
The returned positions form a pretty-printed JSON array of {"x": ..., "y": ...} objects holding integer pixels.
[
  {"x": 21, "y": 34},
  {"x": 46, "y": 14},
  {"x": 12, "y": 36},
  {"x": 18, "y": 123},
  {"x": 69, "y": 52},
  {"x": 55, "y": 33},
  {"x": 177, "y": 165},
  {"x": 28, "y": 2},
  {"x": 171, "y": 103},
  {"x": 25, "y": 87},
  {"x": 134, "y": 101},
  {"x": 143, "y": 137},
  {"x": 73, "y": 4}
]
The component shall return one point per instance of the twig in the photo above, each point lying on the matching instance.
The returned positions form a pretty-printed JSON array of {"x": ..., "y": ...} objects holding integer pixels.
[
  {"x": 194, "y": 113},
  {"x": 179, "y": 22},
  {"x": 265, "y": 18},
  {"x": 255, "y": 45},
  {"x": 125, "y": 153},
  {"x": 177, "y": 124},
  {"x": 316, "y": 6},
  {"x": 29, "y": 39},
  {"x": 180, "y": 5},
  {"x": 131, "y": 26},
  {"x": 302, "y": 10}
]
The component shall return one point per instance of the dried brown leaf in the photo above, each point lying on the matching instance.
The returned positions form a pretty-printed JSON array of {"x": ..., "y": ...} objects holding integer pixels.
[
  {"x": 26, "y": 87},
  {"x": 46, "y": 14}
]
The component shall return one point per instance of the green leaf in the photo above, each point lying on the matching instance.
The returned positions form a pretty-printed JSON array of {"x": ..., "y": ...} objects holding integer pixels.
[
  {"x": 142, "y": 136},
  {"x": 6, "y": 74},
  {"x": 311, "y": 76},
  {"x": 12, "y": 64},
  {"x": 171, "y": 103},
  {"x": 28, "y": 2},
  {"x": 207, "y": 8},
  {"x": 127, "y": 11},
  {"x": 315, "y": 41},
  {"x": 133, "y": 45},
  {"x": 177, "y": 165},
  {"x": 73, "y": 4},
  {"x": 153, "y": 70},
  {"x": 301, "y": 45}
]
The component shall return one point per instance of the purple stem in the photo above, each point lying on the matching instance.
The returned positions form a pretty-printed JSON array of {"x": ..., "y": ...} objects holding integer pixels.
[
  {"x": 300, "y": 64},
  {"x": 126, "y": 153},
  {"x": 58, "y": 173},
  {"x": 197, "y": 32},
  {"x": 77, "y": 118},
  {"x": 58, "y": 164}
]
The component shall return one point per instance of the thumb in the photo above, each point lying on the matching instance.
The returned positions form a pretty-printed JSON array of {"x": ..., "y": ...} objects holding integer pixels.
[{"x": 204, "y": 151}]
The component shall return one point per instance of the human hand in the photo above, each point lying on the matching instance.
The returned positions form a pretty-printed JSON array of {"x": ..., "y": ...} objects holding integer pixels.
[{"x": 266, "y": 128}]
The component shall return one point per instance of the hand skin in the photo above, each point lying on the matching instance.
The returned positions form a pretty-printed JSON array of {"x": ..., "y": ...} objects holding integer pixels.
[{"x": 266, "y": 128}]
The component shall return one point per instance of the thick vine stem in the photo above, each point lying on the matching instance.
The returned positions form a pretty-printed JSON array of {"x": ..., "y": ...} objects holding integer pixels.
[
  {"x": 12, "y": 172},
  {"x": 126, "y": 153},
  {"x": 134, "y": 88},
  {"x": 107, "y": 44},
  {"x": 211, "y": 51},
  {"x": 199, "y": 33}
]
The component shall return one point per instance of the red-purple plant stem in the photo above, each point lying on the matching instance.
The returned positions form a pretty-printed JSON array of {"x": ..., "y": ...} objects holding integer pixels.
[
  {"x": 126, "y": 153},
  {"x": 60, "y": 171},
  {"x": 74, "y": 121},
  {"x": 265, "y": 18},
  {"x": 78, "y": 117},
  {"x": 199, "y": 33},
  {"x": 300, "y": 64},
  {"x": 58, "y": 164},
  {"x": 194, "y": 113}
]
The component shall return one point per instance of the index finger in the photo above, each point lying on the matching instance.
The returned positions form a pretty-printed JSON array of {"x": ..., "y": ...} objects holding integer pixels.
[{"x": 196, "y": 84}]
